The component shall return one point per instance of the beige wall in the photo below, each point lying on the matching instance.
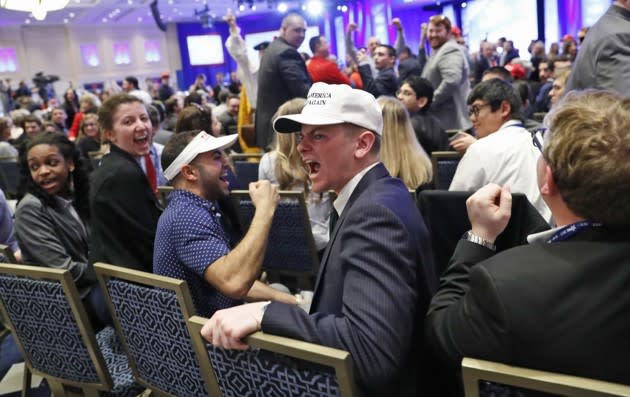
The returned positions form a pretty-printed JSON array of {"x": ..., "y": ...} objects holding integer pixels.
[{"x": 56, "y": 50}]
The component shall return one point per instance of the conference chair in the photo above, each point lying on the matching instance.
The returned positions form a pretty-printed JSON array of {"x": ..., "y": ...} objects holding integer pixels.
[
  {"x": 290, "y": 248},
  {"x": 150, "y": 313},
  {"x": 276, "y": 366},
  {"x": 245, "y": 168},
  {"x": 479, "y": 372},
  {"x": 162, "y": 193},
  {"x": 9, "y": 177},
  {"x": 446, "y": 218},
  {"x": 444, "y": 167},
  {"x": 51, "y": 327},
  {"x": 6, "y": 256}
]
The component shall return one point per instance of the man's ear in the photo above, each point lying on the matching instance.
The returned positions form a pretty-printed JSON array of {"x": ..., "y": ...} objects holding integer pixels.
[
  {"x": 109, "y": 135},
  {"x": 506, "y": 109},
  {"x": 188, "y": 173},
  {"x": 549, "y": 187},
  {"x": 422, "y": 102},
  {"x": 365, "y": 141}
]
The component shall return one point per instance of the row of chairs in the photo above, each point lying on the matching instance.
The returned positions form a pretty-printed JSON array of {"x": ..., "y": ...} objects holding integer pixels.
[
  {"x": 156, "y": 347},
  {"x": 444, "y": 166}
]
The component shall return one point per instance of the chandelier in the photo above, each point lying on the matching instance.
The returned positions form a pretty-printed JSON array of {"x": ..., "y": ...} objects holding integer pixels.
[{"x": 39, "y": 8}]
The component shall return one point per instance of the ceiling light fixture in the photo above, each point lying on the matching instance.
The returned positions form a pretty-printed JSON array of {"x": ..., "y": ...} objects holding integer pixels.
[{"x": 39, "y": 8}]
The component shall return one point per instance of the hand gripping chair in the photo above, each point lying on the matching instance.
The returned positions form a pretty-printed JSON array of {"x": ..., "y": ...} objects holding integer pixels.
[{"x": 276, "y": 366}]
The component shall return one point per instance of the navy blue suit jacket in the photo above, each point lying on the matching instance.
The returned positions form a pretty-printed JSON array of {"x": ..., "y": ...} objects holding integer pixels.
[
  {"x": 373, "y": 288},
  {"x": 385, "y": 83},
  {"x": 282, "y": 76}
]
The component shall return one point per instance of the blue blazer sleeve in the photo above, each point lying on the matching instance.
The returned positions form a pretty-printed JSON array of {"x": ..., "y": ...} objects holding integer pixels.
[{"x": 371, "y": 299}]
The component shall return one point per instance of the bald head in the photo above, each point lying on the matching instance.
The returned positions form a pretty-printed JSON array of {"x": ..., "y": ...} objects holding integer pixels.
[{"x": 293, "y": 30}]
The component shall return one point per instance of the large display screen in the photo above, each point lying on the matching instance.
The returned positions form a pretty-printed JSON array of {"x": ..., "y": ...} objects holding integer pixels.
[
  {"x": 491, "y": 19},
  {"x": 205, "y": 49}
]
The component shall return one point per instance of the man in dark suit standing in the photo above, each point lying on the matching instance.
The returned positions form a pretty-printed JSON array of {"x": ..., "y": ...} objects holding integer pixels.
[
  {"x": 282, "y": 76},
  {"x": 603, "y": 61},
  {"x": 386, "y": 82},
  {"x": 375, "y": 278},
  {"x": 557, "y": 303},
  {"x": 486, "y": 60}
]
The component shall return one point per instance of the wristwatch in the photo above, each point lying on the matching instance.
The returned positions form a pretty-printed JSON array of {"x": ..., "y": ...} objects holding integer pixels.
[{"x": 473, "y": 238}]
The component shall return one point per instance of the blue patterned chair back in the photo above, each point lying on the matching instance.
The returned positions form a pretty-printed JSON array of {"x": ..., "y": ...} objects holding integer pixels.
[
  {"x": 444, "y": 167},
  {"x": 290, "y": 247},
  {"x": 150, "y": 313},
  {"x": 52, "y": 329},
  {"x": 246, "y": 172},
  {"x": 280, "y": 367}
]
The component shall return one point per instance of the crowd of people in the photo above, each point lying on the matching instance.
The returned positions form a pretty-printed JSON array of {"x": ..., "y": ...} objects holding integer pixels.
[{"x": 355, "y": 141}]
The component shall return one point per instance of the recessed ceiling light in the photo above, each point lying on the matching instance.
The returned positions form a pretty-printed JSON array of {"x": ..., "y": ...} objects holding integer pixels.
[
  {"x": 27, "y": 21},
  {"x": 71, "y": 15},
  {"x": 65, "y": 20},
  {"x": 104, "y": 19}
]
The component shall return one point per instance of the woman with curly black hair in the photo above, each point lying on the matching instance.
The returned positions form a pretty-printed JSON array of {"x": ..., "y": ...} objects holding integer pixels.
[{"x": 52, "y": 219}]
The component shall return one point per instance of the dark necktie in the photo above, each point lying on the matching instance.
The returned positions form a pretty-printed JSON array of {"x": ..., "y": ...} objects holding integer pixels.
[
  {"x": 150, "y": 172},
  {"x": 334, "y": 217}
]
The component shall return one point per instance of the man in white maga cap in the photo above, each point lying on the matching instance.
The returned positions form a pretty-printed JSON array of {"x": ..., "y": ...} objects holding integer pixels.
[
  {"x": 191, "y": 243},
  {"x": 376, "y": 276}
]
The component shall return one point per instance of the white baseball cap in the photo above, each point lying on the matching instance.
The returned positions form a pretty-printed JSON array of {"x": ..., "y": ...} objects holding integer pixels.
[
  {"x": 328, "y": 104},
  {"x": 201, "y": 143}
]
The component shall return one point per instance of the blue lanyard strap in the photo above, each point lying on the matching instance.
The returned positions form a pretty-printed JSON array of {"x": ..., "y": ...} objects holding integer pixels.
[{"x": 571, "y": 230}]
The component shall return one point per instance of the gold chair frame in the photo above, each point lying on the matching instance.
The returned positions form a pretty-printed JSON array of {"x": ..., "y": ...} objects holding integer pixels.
[
  {"x": 474, "y": 370},
  {"x": 57, "y": 385},
  {"x": 105, "y": 272},
  {"x": 435, "y": 159},
  {"x": 340, "y": 360}
]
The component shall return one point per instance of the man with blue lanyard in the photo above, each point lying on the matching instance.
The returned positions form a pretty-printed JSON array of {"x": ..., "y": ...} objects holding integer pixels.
[
  {"x": 560, "y": 303},
  {"x": 503, "y": 153}
]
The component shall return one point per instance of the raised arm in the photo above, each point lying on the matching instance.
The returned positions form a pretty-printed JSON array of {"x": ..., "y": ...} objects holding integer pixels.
[
  {"x": 234, "y": 274},
  {"x": 400, "y": 42},
  {"x": 422, "y": 50},
  {"x": 466, "y": 317},
  {"x": 351, "y": 50}
]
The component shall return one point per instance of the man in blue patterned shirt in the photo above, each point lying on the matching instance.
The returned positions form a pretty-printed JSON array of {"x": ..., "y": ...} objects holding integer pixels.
[{"x": 191, "y": 243}]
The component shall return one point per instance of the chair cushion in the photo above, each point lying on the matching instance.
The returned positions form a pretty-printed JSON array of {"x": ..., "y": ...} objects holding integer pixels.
[{"x": 117, "y": 364}]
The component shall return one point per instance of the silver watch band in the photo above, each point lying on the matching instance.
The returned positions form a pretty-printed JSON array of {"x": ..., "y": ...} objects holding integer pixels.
[{"x": 473, "y": 238}]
